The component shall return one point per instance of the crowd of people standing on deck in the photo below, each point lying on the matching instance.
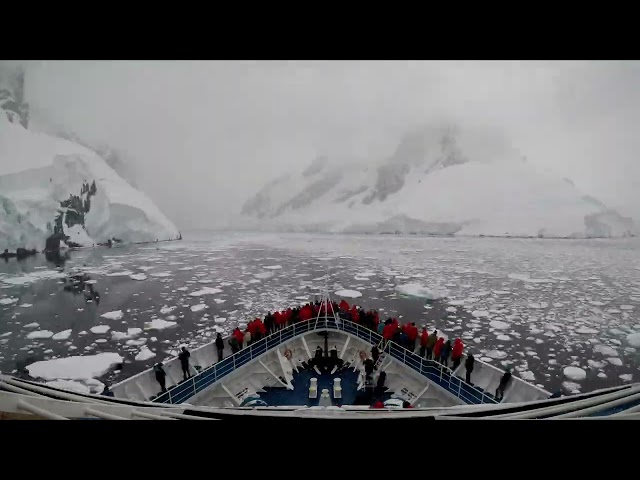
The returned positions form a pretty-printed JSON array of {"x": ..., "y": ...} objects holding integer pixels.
[{"x": 431, "y": 346}]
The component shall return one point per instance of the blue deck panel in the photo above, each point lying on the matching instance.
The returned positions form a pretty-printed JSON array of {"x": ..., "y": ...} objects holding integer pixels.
[{"x": 301, "y": 382}]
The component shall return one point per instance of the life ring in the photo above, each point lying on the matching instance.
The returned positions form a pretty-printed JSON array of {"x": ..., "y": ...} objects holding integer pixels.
[{"x": 287, "y": 354}]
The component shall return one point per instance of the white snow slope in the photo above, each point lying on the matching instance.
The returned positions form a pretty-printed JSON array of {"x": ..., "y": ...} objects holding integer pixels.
[
  {"x": 38, "y": 171},
  {"x": 438, "y": 181}
]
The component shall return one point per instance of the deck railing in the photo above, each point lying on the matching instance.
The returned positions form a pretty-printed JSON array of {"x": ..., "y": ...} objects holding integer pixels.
[{"x": 432, "y": 370}]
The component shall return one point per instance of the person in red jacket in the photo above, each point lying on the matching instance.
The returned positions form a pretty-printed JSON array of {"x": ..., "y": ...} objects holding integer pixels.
[
  {"x": 239, "y": 336},
  {"x": 412, "y": 334},
  {"x": 355, "y": 316},
  {"x": 438, "y": 349},
  {"x": 344, "y": 306},
  {"x": 456, "y": 353},
  {"x": 424, "y": 339},
  {"x": 389, "y": 330}
]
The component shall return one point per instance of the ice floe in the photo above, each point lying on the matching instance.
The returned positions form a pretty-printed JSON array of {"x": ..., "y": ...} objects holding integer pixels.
[
  {"x": 144, "y": 354},
  {"x": 39, "y": 334},
  {"x": 138, "y": 276},
  {"x": 74, "y": 368},
  {"x": 586, "y": 330},
  {"x": 348, "y": 293},
  {"x": 115, "y": 315},
  {"x": 8, "y": 301},
  {"x": 205, "y": 291},
  {"x": 498, "y": 324},
  {"x": 98, "y": 329},
  {"x": 158, "y": 324},
  {"x": 418, "y": 290},
  {"x": 63, "y": 335},
  {"x": 633, "y": 339},
  {"x": 574, "y": 373}
]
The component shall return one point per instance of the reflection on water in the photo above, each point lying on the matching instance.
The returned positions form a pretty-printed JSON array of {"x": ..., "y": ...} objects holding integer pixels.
[
  {"x": 57, "y": 257},
  {"x": 82, "y": 284}
]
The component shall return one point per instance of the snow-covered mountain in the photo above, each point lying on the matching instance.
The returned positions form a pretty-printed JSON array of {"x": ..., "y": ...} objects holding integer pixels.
[
  {"x": 49, "y": 184},
  {"x": 438, "y": 181}
]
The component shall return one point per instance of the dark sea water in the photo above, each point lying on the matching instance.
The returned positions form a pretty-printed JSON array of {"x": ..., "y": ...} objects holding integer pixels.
[{"x": 538, "y": 305}]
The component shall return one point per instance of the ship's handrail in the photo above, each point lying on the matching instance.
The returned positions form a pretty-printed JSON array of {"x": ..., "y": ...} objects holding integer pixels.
[{"x": 437, "y": 373}]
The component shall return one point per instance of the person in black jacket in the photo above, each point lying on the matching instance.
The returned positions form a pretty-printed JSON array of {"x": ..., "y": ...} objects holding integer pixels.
[
  {"x": 504, "y": 381},
  {"x": 184, "y": 362},
  {"x": 160, "y": 376},
  {"x": 375, "y": 354},
  {"x": 468, "y": 365},
  {"x": 219, "y": 346}
]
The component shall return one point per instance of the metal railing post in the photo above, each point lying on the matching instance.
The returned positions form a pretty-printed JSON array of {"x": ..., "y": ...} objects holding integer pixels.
[
  {"x": 194, "y": 385},
  {"x": 170, "y": 399}
]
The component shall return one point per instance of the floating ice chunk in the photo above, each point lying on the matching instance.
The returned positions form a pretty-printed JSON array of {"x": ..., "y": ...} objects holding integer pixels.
[
  {"x": 205, "y": 291},
  {"x": 144, "y": 354},
  {"x": 558, "y": 305},
  {"x": 586, "y": 330},
  {"x": 595, "y": 364},
  {"x": 626, "y": 377},
  {"x": 220, "y": 320},
  {"x": 615, "y": 361},
  {"x": 348, "y": 293},
  {"x": 497, "y": 324},
  {"x": 272, "y": 267},
  {"x": 572, "y": 387},
  {"x": 158, "y": 324},
  {"x": 138, "y": 276},
  {"x": 74, "y": 368},
  {"x": 527, "y": 376},
  {"x": 574, "y": 373},
  {"x": 199, "y": 307},
  {"x": 182, "y": 289},
  {"x": 602, "y": 375},
  {"x": 63, "y": 335},
  {"x": 502, "y": 292},
  {"x": 165, "y": 310},
  {"x": 539, "y": 341},
  {"x": 32, "y": 325},
  {"x": 100, "y": 329},
  {"x": 553, "y": 361},
  {"x": 626, "y": 307},
  {"x": 39, "y": 334},
  {"x": 605, "y": 350},
  {"x": 115, "y": 315},
  {"x": 26, "y": 305},
  {"x": 633, "y": 339},
  {"x": 418, "y": 290},
  {"x": 218, "y": 301},
  {"x": 8, "y": 301},
  {"x": 496, "y": 354},
  {"x": 456, "y": 303},
  {"x": 451, "y": 309},
  {"x": 161, "y": 274}
]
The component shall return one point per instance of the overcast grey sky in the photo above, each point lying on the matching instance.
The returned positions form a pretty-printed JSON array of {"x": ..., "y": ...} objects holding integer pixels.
[{"x": 205, "y": 135}]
